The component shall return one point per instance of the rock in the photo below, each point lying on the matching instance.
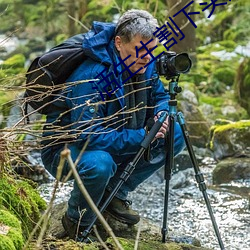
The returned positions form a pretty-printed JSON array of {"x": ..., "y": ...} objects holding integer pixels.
[
  {"x": 188, "y": 95},
  {"x": 231, "y": 169},
  {"x": 181, "y": 179},
  {"x": 229, "y": 140},
  {"x": 149, "y": 238},
  {"x": 197, "y": 125}
]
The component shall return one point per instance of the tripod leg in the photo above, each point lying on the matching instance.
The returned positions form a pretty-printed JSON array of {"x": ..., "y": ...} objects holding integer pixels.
[
  {"x": 199, "y": 176},
  {"x": 168, "y": 173}
]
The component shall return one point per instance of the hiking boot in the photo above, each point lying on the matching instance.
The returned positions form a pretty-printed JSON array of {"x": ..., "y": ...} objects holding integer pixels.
[
  {"x": 75, "y": 231},
  {"x": 121, "y": 211}
]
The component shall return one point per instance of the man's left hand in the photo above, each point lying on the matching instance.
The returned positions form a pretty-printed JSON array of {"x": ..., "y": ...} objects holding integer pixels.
[{"x": 164, "y": 128}]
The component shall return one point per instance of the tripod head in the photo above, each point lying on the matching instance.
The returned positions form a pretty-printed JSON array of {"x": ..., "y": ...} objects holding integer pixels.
[{"x": 174, "y": 89}]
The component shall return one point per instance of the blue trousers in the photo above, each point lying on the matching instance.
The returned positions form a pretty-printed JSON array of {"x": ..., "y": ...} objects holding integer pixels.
[{"x": 100, "y": 170}]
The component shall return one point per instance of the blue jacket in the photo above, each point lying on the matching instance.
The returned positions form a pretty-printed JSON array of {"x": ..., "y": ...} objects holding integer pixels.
[{"x": 89, "y": 117}]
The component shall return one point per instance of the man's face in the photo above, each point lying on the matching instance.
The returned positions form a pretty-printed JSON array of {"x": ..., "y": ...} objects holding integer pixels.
[{"x": 127, "y": 49}]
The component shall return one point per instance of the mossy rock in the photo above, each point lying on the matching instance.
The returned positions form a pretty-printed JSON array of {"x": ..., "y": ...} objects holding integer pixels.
[
  {"x": 231, "y": 169},
  {"x": 22, "y": 200},
  {"x": 10, "y": 231},
  {"x": 232, "y": 139},
  {"x": 219, "y": 107}
]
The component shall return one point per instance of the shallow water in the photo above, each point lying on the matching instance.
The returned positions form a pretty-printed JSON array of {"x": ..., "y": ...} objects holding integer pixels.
[{"x": 188, "y": 215}]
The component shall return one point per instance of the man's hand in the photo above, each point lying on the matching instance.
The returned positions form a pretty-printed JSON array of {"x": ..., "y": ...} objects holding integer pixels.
[{"x": 164, "y": 128}]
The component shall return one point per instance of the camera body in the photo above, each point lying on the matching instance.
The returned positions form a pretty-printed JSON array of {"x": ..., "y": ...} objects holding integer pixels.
[{"x": 171, "y": 65}]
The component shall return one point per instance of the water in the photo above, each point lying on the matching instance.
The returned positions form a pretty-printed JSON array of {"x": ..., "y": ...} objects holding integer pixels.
[{"x": 188, "y": 215}]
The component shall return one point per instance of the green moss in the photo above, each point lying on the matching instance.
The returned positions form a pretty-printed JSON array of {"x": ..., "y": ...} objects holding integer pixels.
[
  {"x": 128, "y": 244},
  {"x": 16, "y": 61},
  {"x": 16, "y": 237},
  {"x": 224, "y": 75},
  {"x": 236, "y": 125},
  {"x": 13, "y": 238},
  {"x": 6, "y": 243},
  {"x": 212, "y": 100},
  {"x": 22, "y": 200},
  {"x": 9, "y": 219},
  {"x": 239, "y": 128}
]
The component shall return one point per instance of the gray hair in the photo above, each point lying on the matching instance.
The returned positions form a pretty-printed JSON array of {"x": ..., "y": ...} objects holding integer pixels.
[{"x": 136, "y": 22}]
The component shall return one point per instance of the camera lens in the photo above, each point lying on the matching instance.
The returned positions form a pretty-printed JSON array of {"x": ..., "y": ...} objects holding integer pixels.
[{"x": 182, "y": 63}]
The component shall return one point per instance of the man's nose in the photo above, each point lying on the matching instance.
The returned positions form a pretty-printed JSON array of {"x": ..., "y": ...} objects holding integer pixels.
[{"x": 146, "y": 56}]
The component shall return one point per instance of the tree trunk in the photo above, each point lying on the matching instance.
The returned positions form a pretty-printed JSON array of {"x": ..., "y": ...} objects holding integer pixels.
[
  {"x": 188, "y": 44},
  {"x": 83, "y": 7},
  {"x": 72, "y": 13}
]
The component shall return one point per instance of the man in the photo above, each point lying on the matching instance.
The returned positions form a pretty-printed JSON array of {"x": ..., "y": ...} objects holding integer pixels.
[{"x": 108, "y": 114}]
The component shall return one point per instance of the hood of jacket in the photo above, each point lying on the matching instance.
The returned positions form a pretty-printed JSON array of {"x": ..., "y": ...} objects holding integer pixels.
[{"x": 98, "y": 43}]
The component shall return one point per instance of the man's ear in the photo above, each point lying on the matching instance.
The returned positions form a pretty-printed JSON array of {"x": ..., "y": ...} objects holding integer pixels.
[{"x": 118, "y": 43}]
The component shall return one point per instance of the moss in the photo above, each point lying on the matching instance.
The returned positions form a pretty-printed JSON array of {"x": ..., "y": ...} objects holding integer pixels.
[
  {"x": 221, "y": 133},
  {"x": 128, "y": 244},
  {"x": 16, "y": 61},
  {"x": 212, "y": 100},
  {"x": 16, "y": 237},
  {"x": 224, "y": 75},
  {"x": 22, "y": 200},
  {"x": 10, "y": 220},
  {"x": 13, "y": 239},
  {"x": 6, "y": 243},
  {"x": 236, "y": 125}
]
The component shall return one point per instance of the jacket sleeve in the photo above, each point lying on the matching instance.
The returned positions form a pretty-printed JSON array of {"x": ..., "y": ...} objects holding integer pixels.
[{"x": 88, "y": 121}]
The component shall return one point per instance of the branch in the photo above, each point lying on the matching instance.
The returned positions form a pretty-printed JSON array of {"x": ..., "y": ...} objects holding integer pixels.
[{"x": 66, "y": 154}]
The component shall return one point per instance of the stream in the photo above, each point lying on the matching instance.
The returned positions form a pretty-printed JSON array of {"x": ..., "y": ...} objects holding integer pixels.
[{"x": 187, "y": 212}]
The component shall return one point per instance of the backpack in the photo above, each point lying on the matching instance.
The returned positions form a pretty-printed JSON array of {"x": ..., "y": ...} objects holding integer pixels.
[{"x": 48, "y": 73}]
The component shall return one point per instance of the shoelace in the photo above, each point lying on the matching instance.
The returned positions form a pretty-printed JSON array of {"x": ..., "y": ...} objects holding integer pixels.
[{"x": 127, "y": 203}]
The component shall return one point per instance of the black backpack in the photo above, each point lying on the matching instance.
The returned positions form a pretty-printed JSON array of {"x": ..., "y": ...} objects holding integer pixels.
[{"x": 48, "y": 73}]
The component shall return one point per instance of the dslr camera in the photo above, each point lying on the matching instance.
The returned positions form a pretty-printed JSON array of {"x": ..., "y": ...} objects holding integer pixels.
[{"x": 171, "y": 65}]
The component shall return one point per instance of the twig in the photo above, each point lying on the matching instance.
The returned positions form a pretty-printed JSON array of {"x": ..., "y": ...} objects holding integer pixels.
[
  {"x": 66, "y": 154},
  {"x": 77, "y": 21},
  {"x": 137, "y": 236},
  {"x": 99, "y": 238},
  {"x": 45, "y": 217}
]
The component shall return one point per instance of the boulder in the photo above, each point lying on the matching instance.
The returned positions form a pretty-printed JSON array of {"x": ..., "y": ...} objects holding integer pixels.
[
  {"x": 197, "y": 125},
  {"x": 232, "y": 139},
  {"x": 150, "y": 235},
  {"x": 231, "y": 169}
]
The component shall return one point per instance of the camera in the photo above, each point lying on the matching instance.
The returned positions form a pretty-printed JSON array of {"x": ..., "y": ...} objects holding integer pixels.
[{"x": 171, "y": 65}]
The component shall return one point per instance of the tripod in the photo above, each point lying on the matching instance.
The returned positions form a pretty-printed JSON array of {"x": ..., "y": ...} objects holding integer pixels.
[
  {"x": 169, "y": 163},
  {"x": 173, "y": 90},
  {"x": 129, "y": 169}
]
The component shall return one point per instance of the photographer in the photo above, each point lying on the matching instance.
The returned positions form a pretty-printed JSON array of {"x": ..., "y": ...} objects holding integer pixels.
[{"x": 109, "y": 114}]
